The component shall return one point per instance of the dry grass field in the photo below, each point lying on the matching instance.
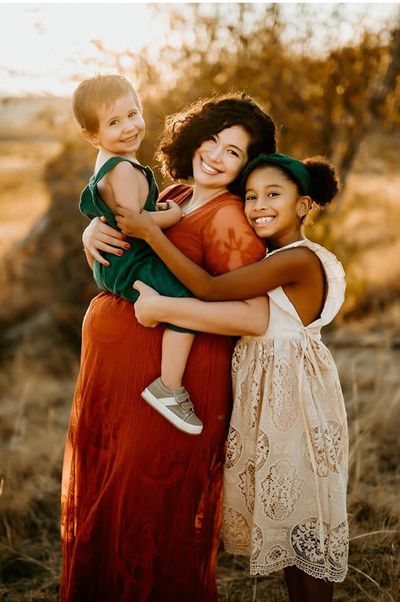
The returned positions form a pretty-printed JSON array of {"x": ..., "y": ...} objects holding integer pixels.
[{"x": 34, "y": 415}]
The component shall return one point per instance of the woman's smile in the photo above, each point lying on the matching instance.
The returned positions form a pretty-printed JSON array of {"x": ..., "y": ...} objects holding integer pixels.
[
  {"x": 212, "y": 171},
  {"x": 218, "y": 161}
]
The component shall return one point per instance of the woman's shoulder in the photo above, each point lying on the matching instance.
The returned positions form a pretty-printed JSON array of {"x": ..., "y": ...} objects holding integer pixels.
[
  {"x": 227, "y": 224},
  {"x": 229, "y": 209},
  {"x": 223, "y": 205},
  {"x": 175, "y": 192}
]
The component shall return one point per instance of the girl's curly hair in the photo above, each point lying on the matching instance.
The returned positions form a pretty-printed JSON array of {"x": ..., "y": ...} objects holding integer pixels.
[{"x": 325, "y": 182}]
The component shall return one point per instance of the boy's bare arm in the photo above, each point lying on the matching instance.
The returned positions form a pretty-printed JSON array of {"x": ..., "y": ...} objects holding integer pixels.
[
  {"x": 164, "y": 218},
  {"x": 129, "y": 189},
  {"x": 125, "y": 186}
]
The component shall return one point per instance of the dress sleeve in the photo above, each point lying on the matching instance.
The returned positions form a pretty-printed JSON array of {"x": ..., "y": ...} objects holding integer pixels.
[
  {"x": 229, "y": 241},
  {"x": 174, "y": 192}
]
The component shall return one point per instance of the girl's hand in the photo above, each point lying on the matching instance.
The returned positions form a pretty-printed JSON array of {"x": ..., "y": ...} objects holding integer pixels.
[
  {"x": 137, "y": 225},
  {"x": 145, "y": 307},
  {"x": 99, "y": 236}
]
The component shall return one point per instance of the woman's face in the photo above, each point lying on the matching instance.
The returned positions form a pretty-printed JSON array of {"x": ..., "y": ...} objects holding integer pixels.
[{"x": 218, "y": 161}]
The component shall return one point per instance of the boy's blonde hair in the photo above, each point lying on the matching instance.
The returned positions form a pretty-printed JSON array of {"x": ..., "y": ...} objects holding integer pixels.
[{"x": 95, "y": 91}]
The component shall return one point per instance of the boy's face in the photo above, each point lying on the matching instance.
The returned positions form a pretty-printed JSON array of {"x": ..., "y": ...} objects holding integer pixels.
[{"x": 121, "y": 127}]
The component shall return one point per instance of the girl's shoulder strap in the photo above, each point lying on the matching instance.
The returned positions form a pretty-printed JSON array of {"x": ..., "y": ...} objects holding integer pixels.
[{"x": 335, "y": 277}]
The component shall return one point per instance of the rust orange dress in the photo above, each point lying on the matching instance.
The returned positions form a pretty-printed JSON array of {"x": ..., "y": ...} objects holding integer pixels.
[{"x": 141, "y": 499}]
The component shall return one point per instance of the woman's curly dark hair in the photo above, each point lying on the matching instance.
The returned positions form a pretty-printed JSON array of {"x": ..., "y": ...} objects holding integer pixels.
[{"x": 184, "y": 132}]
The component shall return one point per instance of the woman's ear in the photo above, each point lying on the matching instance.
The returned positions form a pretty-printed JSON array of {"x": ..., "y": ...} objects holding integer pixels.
[{"x": 303, "y": 206}]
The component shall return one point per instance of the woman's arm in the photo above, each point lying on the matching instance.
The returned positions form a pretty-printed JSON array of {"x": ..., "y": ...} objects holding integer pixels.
[
  {"x": 236, "y": 318},
  {"x": 243, "y": 283},
  {"x": 99, "y": 236}
]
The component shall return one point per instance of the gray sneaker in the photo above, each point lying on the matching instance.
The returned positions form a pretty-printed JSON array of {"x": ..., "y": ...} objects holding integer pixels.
[{"x": 174, "y": 405}]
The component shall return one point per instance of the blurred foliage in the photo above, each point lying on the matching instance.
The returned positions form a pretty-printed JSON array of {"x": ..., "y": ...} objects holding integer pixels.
[
  {"x": 318, "y": 101},
  {"x": 323, "y": 102}
]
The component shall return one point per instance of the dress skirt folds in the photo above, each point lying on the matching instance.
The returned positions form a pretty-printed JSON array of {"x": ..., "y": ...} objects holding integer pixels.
[{"x": 141, "y": 501}]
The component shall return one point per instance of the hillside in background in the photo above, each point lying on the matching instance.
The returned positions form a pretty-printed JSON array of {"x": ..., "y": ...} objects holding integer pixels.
[{"x": 33, "y": 118}]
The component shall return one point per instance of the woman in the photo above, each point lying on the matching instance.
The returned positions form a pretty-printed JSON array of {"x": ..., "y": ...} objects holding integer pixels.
[{"x": 141, "y": 500}]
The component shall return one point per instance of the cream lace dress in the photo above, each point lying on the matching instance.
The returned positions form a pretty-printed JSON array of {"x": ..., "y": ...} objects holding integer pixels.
[{"x": 286, "y": 465}]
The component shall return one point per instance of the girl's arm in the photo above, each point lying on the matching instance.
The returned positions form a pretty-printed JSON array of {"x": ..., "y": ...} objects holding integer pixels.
[
  {"x": 246, "y": 282},
  {"x": 235, "y": 318}
]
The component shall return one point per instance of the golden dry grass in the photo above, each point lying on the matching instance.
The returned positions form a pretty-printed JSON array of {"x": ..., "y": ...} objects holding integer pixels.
[
  {"x": 35, "y": 415},
  {"x": 35, "y": 408}
]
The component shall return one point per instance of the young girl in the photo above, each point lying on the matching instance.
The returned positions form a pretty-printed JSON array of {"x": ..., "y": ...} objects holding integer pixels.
[
  {"x": 286, "y": 463},
  {"x": 109, "y": 112}
]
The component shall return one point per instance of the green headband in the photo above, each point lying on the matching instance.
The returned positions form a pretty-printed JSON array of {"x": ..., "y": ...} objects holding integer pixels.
[{"x": 296, "y": 168}]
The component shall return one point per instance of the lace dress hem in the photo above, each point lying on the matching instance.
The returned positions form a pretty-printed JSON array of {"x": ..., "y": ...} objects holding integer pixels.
[{"x": 330, "y": 574}]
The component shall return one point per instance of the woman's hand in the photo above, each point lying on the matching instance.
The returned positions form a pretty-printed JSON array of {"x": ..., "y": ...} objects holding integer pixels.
[
  {"x": 146, "y": 305},
  {"x": 99, "y": 236},
  {"x": 137, "y": 225}
]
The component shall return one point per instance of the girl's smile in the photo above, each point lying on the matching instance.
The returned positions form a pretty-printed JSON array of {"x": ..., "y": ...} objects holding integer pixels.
[{"x": 274, "y": 206}]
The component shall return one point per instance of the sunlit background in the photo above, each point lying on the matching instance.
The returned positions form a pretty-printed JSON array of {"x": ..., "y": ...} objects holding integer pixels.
[
  {"x": 43, "y": 47},
  {"x": 329, "y": 74}
]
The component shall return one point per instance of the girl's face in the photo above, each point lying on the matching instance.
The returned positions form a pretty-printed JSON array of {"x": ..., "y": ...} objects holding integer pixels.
[
  {"x": 218, "y": 161},
  {"x": 121, "y": 127},
  {"x": 274, "y": 206}
]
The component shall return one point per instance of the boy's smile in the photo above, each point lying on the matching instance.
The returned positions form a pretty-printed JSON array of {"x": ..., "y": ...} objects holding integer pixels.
[{"x": 121, "y": 127}]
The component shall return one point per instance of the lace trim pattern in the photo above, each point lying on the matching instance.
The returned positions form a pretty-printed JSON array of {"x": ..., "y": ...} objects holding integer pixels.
[
  {"x": 281, "y": 489},
  {"x": 283, "y": 398},
  {"x": 236, "y": 529},
  {"x": 234, "y": 448},
  {"x": 327, "y": 441},
  {"x": 262, "y": 449},
  {"x": 247, "y": 484},
  {"x": 327, "y": 573},
  {"x": 286, "y": 463}
]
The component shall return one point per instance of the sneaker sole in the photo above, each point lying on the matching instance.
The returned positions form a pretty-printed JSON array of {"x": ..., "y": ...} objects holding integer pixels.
[{"x": 170, "y": 416}]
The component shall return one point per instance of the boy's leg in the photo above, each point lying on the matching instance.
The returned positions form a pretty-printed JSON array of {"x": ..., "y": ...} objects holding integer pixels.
[
  {"x": 166, "y": 394},
  {"x": 176, "y": 347}
]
